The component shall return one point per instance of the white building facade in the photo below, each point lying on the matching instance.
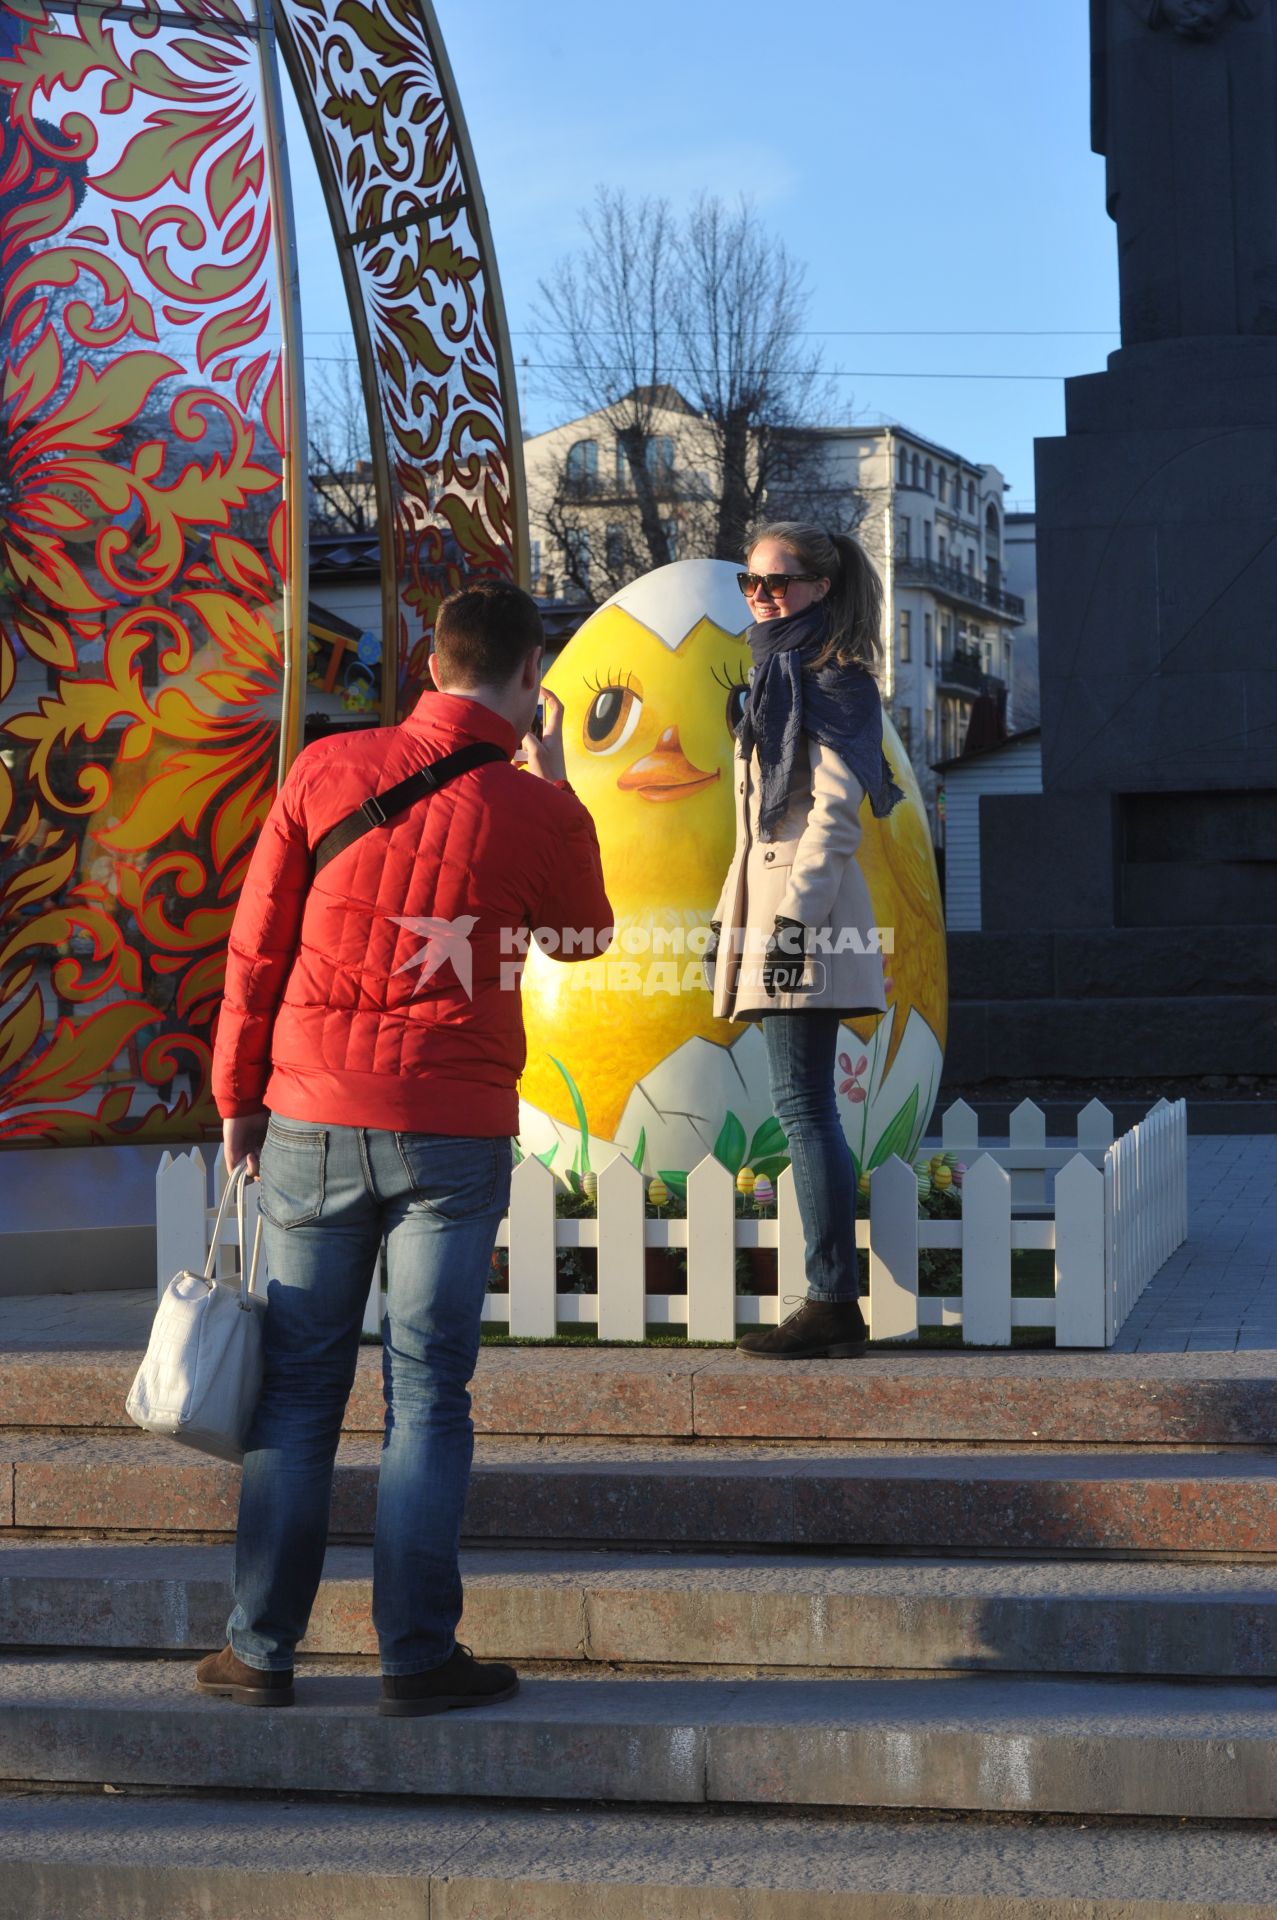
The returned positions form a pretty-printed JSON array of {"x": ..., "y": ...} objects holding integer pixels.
[
  {"x": 1024, "y": 708},
  {"x": 935, "y": 526},
  {"x": 1015, "y": 766}
]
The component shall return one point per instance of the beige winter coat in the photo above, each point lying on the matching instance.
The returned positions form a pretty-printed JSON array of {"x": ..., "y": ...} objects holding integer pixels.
[{"x": 807, "y": 871}]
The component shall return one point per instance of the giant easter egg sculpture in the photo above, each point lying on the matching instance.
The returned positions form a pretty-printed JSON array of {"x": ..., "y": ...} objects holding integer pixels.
[{"x": 623, "y": 1050}]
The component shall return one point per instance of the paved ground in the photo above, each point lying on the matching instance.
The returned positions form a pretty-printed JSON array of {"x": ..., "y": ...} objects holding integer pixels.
[{"x": 1216, "y": 1294}]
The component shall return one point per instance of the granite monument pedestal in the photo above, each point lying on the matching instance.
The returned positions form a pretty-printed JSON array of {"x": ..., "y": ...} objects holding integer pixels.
[
  {"x": 1139, "y": 888},
  {"x": 1142, "y": 880}
]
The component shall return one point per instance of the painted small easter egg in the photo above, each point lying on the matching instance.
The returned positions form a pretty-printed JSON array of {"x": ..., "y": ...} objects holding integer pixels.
[
  {"x": 745, "y": 1181},
  {"x": 657, "y": 1191},
  {"x": 764, "y": 1192}
]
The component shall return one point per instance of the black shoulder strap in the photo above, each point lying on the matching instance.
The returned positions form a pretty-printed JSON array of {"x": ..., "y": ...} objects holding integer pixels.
[{"x": 380, "y": 807}]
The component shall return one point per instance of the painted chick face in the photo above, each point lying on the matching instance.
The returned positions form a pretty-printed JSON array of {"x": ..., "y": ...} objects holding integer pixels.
[{"x": 648, "y": 737}]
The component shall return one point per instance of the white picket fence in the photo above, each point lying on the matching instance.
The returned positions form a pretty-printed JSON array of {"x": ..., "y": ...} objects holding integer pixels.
[{"x": 1120, "y": 1208}]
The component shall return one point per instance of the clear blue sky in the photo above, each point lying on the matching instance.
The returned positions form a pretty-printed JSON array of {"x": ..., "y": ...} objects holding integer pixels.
[{"x": 929, "y": 161}]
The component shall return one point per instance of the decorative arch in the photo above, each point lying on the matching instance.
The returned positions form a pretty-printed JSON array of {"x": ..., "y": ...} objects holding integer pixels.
[
  {"x": 153, "y": 557},
  {"x": 380, "y": 105}
]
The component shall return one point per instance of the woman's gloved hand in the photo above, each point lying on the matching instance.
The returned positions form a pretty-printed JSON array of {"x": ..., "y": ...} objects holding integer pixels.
[
  {"x": 710, "y": 955},
  {"x": 785, "y": 959}
]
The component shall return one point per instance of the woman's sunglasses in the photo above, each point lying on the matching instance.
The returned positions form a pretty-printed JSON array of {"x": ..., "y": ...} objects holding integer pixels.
[{"x": 777, "y": 584}]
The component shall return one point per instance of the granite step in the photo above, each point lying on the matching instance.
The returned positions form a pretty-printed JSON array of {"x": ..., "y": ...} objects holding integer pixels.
[
  {"x": 733, "y": 1494},
  {"x": 1022, "y": 1399},
  {"x": 698, "y": 1610},
  {"x": 86, "y": 1857},
  {"x": 1182, "y": 1749}
]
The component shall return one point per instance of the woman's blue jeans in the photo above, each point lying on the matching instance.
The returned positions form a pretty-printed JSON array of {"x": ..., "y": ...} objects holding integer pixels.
[
  {"x": 800, "y": 1066},
  {"x": 328, "y": 1197}
]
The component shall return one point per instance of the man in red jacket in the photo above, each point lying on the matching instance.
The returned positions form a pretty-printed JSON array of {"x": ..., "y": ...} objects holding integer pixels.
[{"x": 369, "y": 1050}]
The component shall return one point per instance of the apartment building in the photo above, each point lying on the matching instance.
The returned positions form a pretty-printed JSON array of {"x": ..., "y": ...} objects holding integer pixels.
[{"x": 935, "y": 524}]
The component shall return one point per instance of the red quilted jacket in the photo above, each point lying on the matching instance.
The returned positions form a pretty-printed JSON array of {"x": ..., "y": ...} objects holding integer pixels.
[{"x": 335, "y": 1011}]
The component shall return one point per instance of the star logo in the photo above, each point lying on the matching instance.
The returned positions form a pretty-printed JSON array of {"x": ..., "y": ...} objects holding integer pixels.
[{"x": 446, "y": 940}]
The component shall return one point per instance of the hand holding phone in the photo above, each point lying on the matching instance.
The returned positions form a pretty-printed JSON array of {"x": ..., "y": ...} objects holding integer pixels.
[{"x": 544, "y": 746}]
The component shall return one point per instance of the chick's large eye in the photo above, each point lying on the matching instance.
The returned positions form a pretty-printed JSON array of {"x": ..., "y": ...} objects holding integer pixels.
[
  {"x": 736, "y": 707},
  {"x": 611, "y": 718},
  {"x": 727, "y": 674}
]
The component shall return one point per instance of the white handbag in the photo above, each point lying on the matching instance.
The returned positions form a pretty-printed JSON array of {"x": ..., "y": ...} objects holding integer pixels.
[{"x": 202, "y": 1374}]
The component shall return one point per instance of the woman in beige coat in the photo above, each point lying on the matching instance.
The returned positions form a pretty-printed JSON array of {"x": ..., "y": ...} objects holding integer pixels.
[{"x": 793, "y": 942}]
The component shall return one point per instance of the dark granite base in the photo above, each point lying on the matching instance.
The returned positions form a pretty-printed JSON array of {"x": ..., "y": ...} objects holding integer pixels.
[
  {"x": 1097, "y": 1039},
  {"x": 1114, "y": 963},
  {"x": 1096, "y": 1005}
]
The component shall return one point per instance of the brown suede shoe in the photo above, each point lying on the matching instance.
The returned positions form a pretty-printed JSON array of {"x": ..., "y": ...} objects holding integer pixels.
[
  {"x": 462, "y": 1681},
  {"x": 819, "y": 1330},
  {"x": 223, "y": 1674}
]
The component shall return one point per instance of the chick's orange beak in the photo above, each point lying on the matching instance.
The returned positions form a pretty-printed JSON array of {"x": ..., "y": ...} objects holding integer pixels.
[{"x": 666, "y": 773}]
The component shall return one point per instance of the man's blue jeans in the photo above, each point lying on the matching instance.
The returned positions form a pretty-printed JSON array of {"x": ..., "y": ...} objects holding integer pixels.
[
  {"x": 800, "y": 1066},
  {"x": 328, "y": 1196}
]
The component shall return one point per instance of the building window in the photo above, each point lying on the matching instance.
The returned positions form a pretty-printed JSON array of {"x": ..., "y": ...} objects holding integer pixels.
[
  {"x": 971, "y": 562},
  {"x": 902, "y": 540},
  {"x": 906, "y": 637},
  {"x": 929, "y": 734},
  {"x": 992, "y": 551},
  {"x": 944, "y": 486},
  {"x": 928, "y": 641},
  {"x": 929, "y": 476},
  {"x": 670, "y": 530},
  {"x": 659, "y": 454},
  {"x": 903, "y": 728},
  {"x": 942, "y": 549},
  {"x": 615, "y": 550},
  {"x": 902, "y": 467},
  {"x": 971, "y": 496},
  {"x": 622, "y": 469},
  {"x": 926, "y": 538},
  {"x": 534, "y": 561},
  {"x": 583, "y": 463},
  {"x": 915, "y": 467},
  {"x": 576, "y": 556}
]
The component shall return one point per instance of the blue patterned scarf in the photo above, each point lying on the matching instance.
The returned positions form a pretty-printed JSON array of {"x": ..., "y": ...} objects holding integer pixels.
[{"x": 838, "y": 706}]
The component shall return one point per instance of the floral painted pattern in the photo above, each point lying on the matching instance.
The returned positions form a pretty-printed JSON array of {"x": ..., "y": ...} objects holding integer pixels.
[
  {"x": 143, "y": 541},
  {"x": 147, "y": 523}
]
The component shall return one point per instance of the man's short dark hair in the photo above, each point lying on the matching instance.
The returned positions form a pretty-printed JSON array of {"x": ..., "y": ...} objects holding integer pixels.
[{"x": 485, "y": 632}]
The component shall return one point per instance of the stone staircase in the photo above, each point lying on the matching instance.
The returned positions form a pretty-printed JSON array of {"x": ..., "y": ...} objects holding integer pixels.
[{"x": 926, "y": 1634}]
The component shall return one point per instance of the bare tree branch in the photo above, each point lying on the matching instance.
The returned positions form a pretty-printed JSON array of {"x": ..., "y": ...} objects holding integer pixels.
[
  {"x": 342, "y": 490},
  {"x": 684, "y": 335}
]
